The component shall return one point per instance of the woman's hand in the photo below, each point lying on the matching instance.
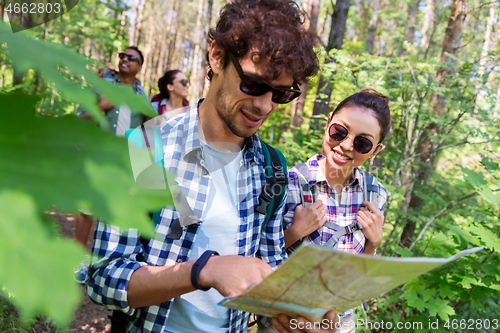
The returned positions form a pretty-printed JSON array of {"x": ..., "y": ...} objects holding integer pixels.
[
  {"x": 372, "y": 220},
  {"x": 305, "y": 221}
]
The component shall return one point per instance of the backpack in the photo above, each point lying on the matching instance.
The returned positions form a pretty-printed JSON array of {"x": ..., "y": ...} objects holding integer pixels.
[
  {"x": 371, "y": 193},
  {"x": 272, "y": 194}
]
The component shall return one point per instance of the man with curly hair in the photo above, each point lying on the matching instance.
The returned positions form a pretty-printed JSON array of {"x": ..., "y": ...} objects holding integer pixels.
[{"x": 258, "y": 54}]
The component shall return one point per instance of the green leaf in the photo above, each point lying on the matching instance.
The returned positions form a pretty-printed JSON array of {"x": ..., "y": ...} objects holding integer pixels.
[
  {"x": 489, "y": 238},
  {"x": 490, "y": 196},
  {"x": 70, "y": 163},
  {"x": 414, "y": 300},
  {"x": 463, "y": 234},
  {"x": 489, "y": 164},
  {"x": 37, "y": 268},
  {"x": 404, "y": 252},
  {"x": 468, "y": 281},
  {"x": 48, "y": 61},
  {"x": 475, "y": 178},
  {"x": 440, "y": 307}
]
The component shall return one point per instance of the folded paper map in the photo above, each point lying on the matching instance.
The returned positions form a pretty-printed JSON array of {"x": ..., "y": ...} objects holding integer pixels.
[{"x": 316, "y": 279}]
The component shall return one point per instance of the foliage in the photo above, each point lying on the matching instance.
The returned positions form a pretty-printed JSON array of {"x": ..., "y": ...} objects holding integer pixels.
[{"x": 64, "y": 162}]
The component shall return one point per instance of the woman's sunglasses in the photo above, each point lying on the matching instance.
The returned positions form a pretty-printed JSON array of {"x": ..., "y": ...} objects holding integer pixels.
[
  {"x": 184, "y": 82},
  {"x": 254, "y": 86},
  {"x": 361, "y": 144},
  {"x": 130, "y": 57}
]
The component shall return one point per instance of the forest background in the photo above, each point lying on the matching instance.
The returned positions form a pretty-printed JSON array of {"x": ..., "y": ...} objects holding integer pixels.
[{"x": 437, "y": 60}]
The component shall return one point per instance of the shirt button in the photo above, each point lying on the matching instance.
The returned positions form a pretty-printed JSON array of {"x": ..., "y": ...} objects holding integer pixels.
[
  {"x": 344, "y": 214},
  {"x": 343, "y": 241},
  {"x": 205, "y": 172},
  {"x": 116, "y": 112}
]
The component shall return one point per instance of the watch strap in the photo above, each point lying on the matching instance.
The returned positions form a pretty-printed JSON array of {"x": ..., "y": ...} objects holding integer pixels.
[{"x": 198, "y": 265}]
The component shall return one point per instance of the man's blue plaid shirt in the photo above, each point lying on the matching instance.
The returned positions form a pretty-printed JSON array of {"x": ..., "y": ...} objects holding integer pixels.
[{"x": 116, "y": 253}]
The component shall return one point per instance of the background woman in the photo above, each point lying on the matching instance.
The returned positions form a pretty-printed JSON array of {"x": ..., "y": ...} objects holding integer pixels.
[
  {"x": 174, "y": 89},
  {"x": 353, "y": 134}
]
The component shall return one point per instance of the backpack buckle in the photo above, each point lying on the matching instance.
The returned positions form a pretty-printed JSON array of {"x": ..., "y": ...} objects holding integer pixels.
[
  {"x": 264, "y": 200},
  {"x": 281, "y": 177},
  {"x": 349, "y": 229}
]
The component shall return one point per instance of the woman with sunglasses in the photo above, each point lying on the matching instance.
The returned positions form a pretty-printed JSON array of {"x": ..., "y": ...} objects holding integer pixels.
[
  {"x": 354, "y": 133},
  {"x": 174, "y": 89}
]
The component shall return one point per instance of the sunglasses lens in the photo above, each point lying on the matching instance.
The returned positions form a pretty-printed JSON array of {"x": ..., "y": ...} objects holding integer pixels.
[
  {"x": 284, "y": 96},
  {"x": 253, "y": 88},
  {"x": 337, "y": 132},
  {"x": 362, "y": 145},
  {"x": 184, "y": 82},
  {"x": 129, "y": 57}
]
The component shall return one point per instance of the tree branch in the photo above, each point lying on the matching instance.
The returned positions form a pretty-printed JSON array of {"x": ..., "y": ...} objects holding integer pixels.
[
  {"x": 481, "y": 5},
  {"x": 451, "y": 204},
  {"x": 453, "y": 145}
]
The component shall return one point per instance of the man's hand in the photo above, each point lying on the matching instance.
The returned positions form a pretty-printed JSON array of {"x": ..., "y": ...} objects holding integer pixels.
[
  {"x": 305, "y": 221},
  {"x": 285, "y": 324},
  {"x": 232, "y": 275},
  {"x": 104, "y": 104},
  {"x": 372, "y": 220}
]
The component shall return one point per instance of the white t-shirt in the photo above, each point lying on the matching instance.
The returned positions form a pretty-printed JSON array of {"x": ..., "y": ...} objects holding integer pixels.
[{"x": 198, "y": 311}]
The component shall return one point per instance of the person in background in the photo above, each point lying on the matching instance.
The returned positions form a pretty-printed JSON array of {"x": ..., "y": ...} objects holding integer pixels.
[
  {"x": 353, "y": 134},
  {"x": 174, "y": 90},
  {"x": 120, "y": 118}
]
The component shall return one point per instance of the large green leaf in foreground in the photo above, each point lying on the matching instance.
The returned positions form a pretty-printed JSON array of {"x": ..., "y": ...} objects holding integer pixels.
[
  {"x": 46, "y": 58},
  {"x": 72, "y": 164},
  {"x": 35, "y": 267}
]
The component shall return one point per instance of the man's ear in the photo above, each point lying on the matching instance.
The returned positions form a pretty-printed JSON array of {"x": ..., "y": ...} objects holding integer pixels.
[{"x": 215, "y": 57}]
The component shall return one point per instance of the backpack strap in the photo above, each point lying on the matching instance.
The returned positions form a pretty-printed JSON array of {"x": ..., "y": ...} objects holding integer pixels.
[
  {"x": 274, "y": 188},
  {"x": 371, "y": 190},
  {"x": 161, "y": 108},
  {"x": 305, "y": 190}
]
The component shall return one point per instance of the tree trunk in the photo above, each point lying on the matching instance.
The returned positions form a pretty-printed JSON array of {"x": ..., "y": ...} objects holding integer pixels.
[
  {"x": 484, "y": 54},
  {"x": 491, "y": 76},
  {"x": 26, "y": 17},
  {"x": 298, "y": 105},
  {"x": 202, "y": 80},
  {"x": 410, "y": 25},
  {"x": 133, "y": 23},
  {"x": 196, "y": 56},
  {"x": 2, "y": 6},
  {"x": 146, "y": 67},
  {"x": 159, "y": 53},
  {"x": 335, "y": 40},
  {"x": 359, "y": 19},
  {"x": 141, "y": 20},
  {"x": 123, "y": 22},
  {"x": 372, "y": 26},
  {"x": 428, "y": 21},
  {"x": 173, "y": 35},
  {"x": 451, "y": 43}
]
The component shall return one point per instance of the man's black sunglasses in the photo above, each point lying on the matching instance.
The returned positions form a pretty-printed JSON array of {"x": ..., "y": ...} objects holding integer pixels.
[
  {"x": 254, "y": 86},
  {"x": 130, "y": 57}
]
